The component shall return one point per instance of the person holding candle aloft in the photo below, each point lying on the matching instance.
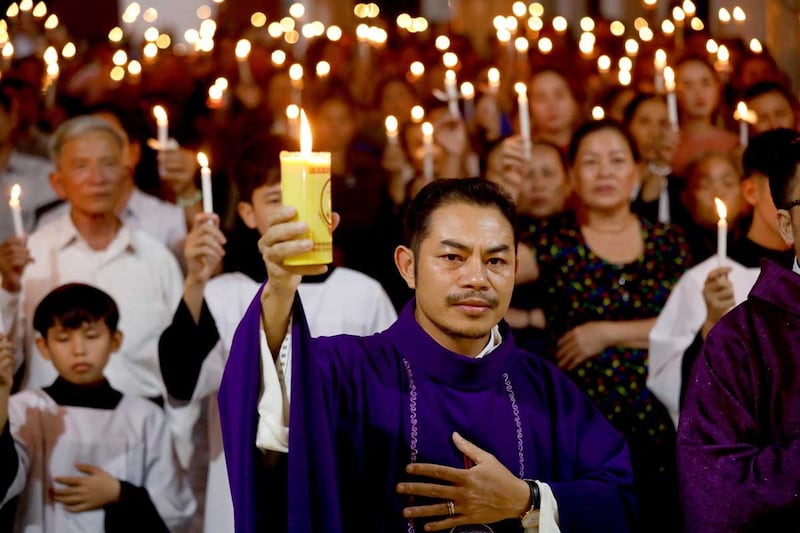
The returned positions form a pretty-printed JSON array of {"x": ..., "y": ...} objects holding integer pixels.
[
  {"x": 195, "y": 346},
  {"x": 710, "y": 175},
  {"x": 737, "y": 446},
  {"x": 699, "y": 94},
  {"x": 709, "y": 290},
  {"x": 658, "y": 199},
  {"x": 604, "y": 293}
]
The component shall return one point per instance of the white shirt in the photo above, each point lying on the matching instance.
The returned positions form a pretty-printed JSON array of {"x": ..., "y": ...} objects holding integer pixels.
[
  {"x": 273, "y": 416},
  {"x": 140, "y": 274},
  {"x": 131, "y": 442},
  {"x": 33, "y": 176},
  {"x": 679, "y": 322},
  {"x": 228, "y": 296},
  {"x": 161, "y": 220}
]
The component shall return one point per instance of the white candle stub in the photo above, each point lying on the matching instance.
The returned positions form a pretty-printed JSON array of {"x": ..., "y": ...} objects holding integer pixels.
[
  {"x": 391, "y": 129},
  {"x": 205, "y": 183},
  {"x": 427, "y": 141},
  {"x": 163, "y": 126},
  {"x": 524, "y": 114}
]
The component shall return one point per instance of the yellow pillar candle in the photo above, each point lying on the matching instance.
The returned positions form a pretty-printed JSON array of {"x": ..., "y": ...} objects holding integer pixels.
[{"x": 306, "y": 186}]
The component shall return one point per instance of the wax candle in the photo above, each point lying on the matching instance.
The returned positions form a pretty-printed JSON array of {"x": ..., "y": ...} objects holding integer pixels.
[
  {"x": 659, "y": 62},
  {"x": 524, "y": 114},
  {"x": 163, "y": 126},
  {"x": 722, "y": 230},
  {"x": 306, "y": 186},
  {"x": 205, "y": 183},
  {"x": 391, "y": 130},
  {"x": 672, "y": 101},
  {"x": 745, "y": 117},
  {"x": 243, "y": 48},
  {"x": 468, "y": 94},
  {"x": 494, "y": 81},
  {"x": 427, "y": 142},
  {"x": 452, "y": 92},
  {"x": 16, "y": 210}
]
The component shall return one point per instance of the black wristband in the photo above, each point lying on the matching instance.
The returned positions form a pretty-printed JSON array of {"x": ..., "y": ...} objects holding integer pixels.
[{"x": 535, "y": 498}]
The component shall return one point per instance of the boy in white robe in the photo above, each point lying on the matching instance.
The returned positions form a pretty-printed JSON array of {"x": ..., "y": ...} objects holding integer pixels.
[{"x": 80, "y": 455}]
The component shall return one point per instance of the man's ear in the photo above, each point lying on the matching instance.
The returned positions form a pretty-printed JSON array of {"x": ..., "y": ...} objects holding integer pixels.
[
  {"x": 42, "y": 345},
  {"x": 404, "y": 260},
  {"x": 57, "y": 184},
  {"x": 785, "y": 226},
  {"x": 750, "y": 191},
  {"x": 247, "y": 214}
]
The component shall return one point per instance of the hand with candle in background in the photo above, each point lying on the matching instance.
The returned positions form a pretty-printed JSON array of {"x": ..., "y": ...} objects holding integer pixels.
[
  {"x": 14, "y": 257},
  {"x": 718, "y": 296},
  {"x": 177, "y": 170},
  {"x": 450, "y": 134},
  {"x": 395, "y": 162}
]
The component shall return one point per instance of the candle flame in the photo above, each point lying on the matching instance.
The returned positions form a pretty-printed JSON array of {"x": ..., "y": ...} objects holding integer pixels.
[
  {"x": 722, "y": 211},
  {"x": 160, "y": 113},
  {"x": 243, "y": 48},
  {"x": 661, "y": 58},
  {"x": 723, "y": 54},
  {"x": 598, "y": 113},
  {"x": 494, "y": 76},
  {"x": 305, "y": 135},
  {"x": 467, "y": 90},
  {"x": 520, "y": 88},
  {"x": 16, "y": 192},
  {"x": 391, "y": 124},
  {"x": 669, "y": 79},
  {"x": 427, "y": 129},
  {"x": 202, "y": 159},
  {"x": 741, "y": 111}
]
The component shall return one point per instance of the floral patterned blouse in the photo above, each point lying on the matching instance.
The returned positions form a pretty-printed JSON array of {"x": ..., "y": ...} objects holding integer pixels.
[{"x": 582, "y": 287}]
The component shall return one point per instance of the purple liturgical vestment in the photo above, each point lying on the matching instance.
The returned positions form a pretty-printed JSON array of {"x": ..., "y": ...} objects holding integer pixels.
[
  {"x": 739, "y": 432},
  {"x": 362, "y": 408}
]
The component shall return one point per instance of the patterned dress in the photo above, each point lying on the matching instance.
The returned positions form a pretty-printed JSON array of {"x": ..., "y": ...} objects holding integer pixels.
[{"x": 582, "y": 287}]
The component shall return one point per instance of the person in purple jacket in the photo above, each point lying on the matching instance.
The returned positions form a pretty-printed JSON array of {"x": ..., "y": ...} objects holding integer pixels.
[
  {"x": 439, "y": 422},
  {"x": 739, "y": 432}
]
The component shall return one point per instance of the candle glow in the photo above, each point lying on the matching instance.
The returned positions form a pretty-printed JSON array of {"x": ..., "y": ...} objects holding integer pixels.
[{"x": 16, "y": 210}]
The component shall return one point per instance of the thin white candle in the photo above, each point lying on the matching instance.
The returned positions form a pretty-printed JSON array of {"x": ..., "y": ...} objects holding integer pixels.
[
  {"x": 494, "y": 81},
  {"x": 524, "y": 114},
  {"x": 16, "y": 210},
  {"x": 391, "y": 130},
  {"x": 205, "y": 183},
  {"x": 745, "y": 117},
  {"x": 242, "y": 51},
  {"x": 427, "y": 142},
  {"x": 672, "y": 101},
  {"x": 660, "y": 62},
  {"x": 468, "y": 94},
  {"x": 722, "y": 230},
  {"x": 163, "y": 126},
  {"x": 451, "y": 91}
]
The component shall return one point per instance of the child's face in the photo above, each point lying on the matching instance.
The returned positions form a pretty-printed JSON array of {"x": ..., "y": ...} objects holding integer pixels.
[
  {"x": 255, "y": 214},
  {"x": 714, "y": 176},
  {"x": 81, "y": 354}
]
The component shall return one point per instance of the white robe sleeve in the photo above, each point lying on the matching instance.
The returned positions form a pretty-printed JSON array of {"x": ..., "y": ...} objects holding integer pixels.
[
  {"x": 545, "y": 520},
  {"x": 17, "y": 413},
  {"x": 272, "y": 432},
  {"x": 10, "y": 319},
  {"x": 167, "y": 486}
]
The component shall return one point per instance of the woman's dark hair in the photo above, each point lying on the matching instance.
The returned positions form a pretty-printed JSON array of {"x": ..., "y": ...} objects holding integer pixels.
[
  {"x": 776, "y": 154},
  {"x": 258, "y": 163},
  {"x": 633, "y": 106},
  {"x": 473, "y": 191},
  {"x": 593, "y": 126},
  {"x": 72, "y": 305}
]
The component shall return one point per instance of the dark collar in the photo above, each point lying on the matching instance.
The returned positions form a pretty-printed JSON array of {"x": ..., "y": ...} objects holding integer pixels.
[
  {"x": 97, "y": 396},
  {"x": 320, "y": 278}
]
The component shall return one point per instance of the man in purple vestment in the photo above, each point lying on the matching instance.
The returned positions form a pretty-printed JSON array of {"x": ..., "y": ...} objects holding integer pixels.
[
  {"x": 440, "y": 421},
  {"x": 739, "y": 431}
]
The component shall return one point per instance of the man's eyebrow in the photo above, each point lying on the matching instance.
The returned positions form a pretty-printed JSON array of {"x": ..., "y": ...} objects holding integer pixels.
[
  {"x": 455, "y": 244},
  {"x": 499, "y": 248}
]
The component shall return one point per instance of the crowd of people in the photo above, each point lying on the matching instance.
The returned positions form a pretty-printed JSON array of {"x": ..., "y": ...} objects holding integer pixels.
[{"x": 619, "y": 279}]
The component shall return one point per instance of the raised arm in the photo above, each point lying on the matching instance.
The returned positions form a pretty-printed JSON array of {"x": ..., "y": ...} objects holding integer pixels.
[{"x": 281, "y": 240}]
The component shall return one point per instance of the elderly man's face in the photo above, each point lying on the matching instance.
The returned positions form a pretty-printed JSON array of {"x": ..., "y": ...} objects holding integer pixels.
[{"x": 89, "y": 172}]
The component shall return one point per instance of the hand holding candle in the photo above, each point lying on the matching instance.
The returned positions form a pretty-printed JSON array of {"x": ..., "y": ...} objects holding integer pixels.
[
  {"x": 16, "y": 210},
  {"x": 205, "y": 183},
  {"x": 306, "y": 186},
  {"x": 722, "y": 230}
]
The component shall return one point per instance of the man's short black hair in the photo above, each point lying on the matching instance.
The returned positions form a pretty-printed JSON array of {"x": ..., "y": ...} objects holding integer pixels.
[
  {"x": 441, "y": 192},
  {"x": 776, "y": 154},
  {"x": 72, "y": 305},
  {"x": 765, "y": 87},
  {"x": 258, "y": 163}
]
